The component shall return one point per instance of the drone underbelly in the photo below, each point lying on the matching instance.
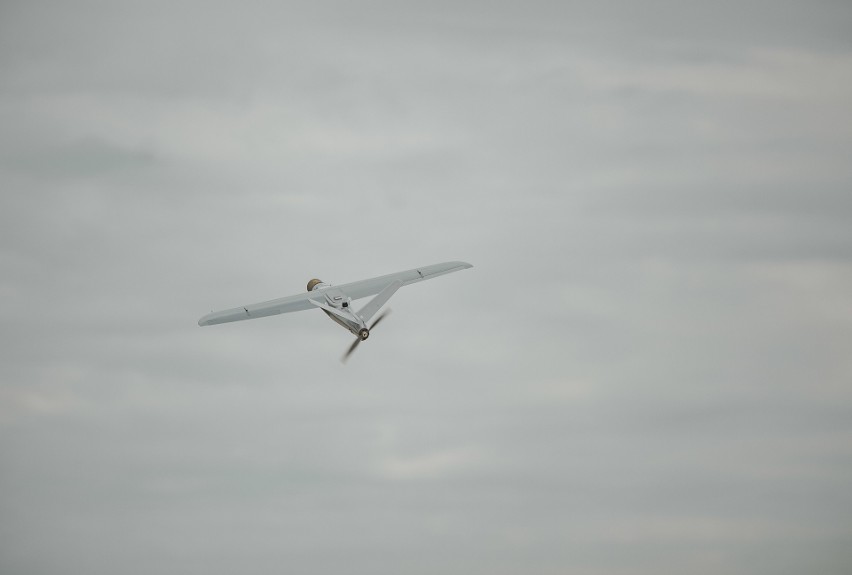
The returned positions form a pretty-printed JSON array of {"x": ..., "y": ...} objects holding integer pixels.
[{"x": 341, "y": 321}]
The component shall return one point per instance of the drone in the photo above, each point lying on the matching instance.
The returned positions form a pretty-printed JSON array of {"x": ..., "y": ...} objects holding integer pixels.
[{"x": 336, "y": 301}]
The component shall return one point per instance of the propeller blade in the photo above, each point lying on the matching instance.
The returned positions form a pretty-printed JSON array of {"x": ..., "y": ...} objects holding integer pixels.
[
  {"x": 355, "y": 343},
  {"x": 383, "y": 315},
  {"x": 350, "y": 350}
]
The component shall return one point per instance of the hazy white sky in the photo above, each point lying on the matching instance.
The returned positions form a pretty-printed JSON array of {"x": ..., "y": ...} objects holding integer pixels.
[{"x": 646, "y": 371}]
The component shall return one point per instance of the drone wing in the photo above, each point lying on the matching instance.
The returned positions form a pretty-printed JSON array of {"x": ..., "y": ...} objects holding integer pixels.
[
  {"x": 355, "y": 290},
  {"x": 365, "y": 288}
]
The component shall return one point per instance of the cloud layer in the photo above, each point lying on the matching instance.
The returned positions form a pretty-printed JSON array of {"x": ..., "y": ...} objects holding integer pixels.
[{"x": 646, "y": 371}]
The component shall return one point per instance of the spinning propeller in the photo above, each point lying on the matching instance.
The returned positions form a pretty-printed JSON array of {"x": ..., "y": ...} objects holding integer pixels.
[{"x": 365, "y": 333}]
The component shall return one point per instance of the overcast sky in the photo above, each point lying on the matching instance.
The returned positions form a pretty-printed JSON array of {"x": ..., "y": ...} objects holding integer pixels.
[{"x": 648, "y": 370}]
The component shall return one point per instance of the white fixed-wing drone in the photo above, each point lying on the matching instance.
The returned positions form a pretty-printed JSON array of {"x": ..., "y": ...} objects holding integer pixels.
[{"x": 336, "y": 301}]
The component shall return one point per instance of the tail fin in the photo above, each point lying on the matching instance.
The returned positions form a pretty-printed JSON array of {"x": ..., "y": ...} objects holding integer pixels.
[{"x": 377, "y": 302}]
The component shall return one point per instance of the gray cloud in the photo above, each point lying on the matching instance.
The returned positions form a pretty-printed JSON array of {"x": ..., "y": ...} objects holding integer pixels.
[{"x": 645, "y": 371}]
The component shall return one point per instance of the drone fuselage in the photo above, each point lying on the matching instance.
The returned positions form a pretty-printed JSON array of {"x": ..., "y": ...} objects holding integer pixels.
[{"x": 338, "y": 306}]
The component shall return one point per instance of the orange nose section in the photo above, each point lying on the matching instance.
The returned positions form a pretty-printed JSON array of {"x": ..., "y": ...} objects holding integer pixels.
[{"x": 313, "y": 283}]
